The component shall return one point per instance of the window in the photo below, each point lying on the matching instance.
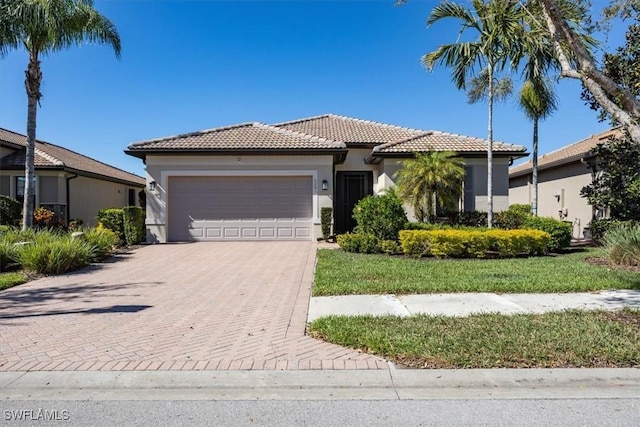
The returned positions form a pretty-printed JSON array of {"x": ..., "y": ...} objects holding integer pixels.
[
  {"x": 20, "y": 184},
  {"x": 132, "y": 197}
]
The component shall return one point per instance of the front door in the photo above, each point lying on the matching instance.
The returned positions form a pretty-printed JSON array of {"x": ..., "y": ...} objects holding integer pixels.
[{"x": 350, "y": 189}]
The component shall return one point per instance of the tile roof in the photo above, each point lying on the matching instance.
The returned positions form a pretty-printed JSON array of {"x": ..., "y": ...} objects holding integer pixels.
[
  {"x": 349, "y": 130},
  {"x": 443, "y": 141},
  {"x": 567, "y": 154},
  {"x": 53, "y": 156},
  {"x": 245, "y": 136}
]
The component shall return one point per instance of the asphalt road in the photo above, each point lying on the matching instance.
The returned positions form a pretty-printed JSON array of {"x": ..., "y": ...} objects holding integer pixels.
[{"x": 494, "y": 412}]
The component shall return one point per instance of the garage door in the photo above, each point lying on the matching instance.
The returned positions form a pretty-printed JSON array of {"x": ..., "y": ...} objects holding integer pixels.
[{"x": 240, "y": 208}]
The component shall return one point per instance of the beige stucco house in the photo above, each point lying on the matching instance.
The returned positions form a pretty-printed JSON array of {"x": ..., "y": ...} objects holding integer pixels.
[
  {"x": 67, "y": 183},
  {"x": 255, "y": 181},
  {"x": 561, "y": 176}
]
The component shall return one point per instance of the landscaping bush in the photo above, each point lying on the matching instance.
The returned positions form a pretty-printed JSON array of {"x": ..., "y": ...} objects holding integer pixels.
[
  {"x": 113, "y": 219},
  {"x": 623, "y": 244},
  {"x": 520, "y": 208},
  {"x": 600, "y": 227},
  {"x": 359, "y": 242},
  {"x": 75, "y": 224},
  {"x": 559, "y": 231},
  {"x": 509, "y": 220},
  {"x": 380, "y": 216},
  {"x": 390, "y": 247},
  {"x": 472, "y": 244},
  {"x": 44, "y": 218},
  {"x": 325, "y": 221},
  {"x": 467, "y": 219},
  {"x": 103, "y": 240},
  {"x": 54, "y": 253},
  {"x": 10, "y": 211},
  {"x": 8, "y": 255},
  {"x": 134, "y": 228}
]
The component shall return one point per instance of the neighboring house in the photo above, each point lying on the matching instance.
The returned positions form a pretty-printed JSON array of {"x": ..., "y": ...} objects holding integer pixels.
[
  {"x": 67, "y": 183},
  {"x": 561, "y": 176},
  {"x": 255, "y": 181}
]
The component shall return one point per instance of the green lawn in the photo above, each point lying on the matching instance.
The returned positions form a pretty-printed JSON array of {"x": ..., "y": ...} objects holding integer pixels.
[
  {"x": 343, "y": 273},
  {"x": 8, "y": 280},
  {"x": 561, "y": 339}
]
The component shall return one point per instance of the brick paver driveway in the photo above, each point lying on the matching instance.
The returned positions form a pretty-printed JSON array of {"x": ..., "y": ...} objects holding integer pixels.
[{"x": 193, "y": 306}]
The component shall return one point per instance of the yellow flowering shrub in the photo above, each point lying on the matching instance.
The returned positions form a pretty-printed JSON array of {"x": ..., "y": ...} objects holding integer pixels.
[{"x": 453, "y": 243}]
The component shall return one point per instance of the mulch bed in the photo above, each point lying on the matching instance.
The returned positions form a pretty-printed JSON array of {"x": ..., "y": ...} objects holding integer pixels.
[{"x": 604, "y": 262}]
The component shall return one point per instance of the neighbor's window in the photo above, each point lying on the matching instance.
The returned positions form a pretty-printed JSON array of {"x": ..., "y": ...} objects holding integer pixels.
[
  {"x": 132, "y": 197},
  {"x": 20, "y": 182}
]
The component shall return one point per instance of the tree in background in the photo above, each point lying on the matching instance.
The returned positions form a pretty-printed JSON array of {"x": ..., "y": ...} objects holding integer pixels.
[
  {"x": 497, "y": 27},
  {"x": 42, "y": 27},
  {"x": 430, "y": 180},
  {"x": 617, "y": 180}
]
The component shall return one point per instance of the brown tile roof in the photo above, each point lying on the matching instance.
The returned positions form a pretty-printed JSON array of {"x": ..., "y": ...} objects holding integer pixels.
[
  {"x": 349, "y": 130},
  {"x": 245, "y": 136},
  {"x": 443, "y": 141},
  {"x": 570, "y": 153},
  {"x": 53, "y": 156}
]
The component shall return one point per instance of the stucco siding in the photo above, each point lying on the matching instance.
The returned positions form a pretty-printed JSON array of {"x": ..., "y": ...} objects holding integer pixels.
[
  {"x": 558, "y": 194},
  {"x": 88, "y": 195},
  {"x": 160, "y": 168}
]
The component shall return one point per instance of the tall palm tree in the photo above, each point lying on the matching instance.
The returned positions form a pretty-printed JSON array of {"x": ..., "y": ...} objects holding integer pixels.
[
  {"x": 498, "y": 28},
  {"x": 42, "y": 27},
  {"x": 430, "y": 180},
  {"x": 538, "y": 101}
]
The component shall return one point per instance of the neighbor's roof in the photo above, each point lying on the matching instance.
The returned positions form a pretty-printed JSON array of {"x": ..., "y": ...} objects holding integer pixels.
[
  {"x": 245, "y": 136},
  {"x": 349, "y": 130},
  {"x": 443, "y": 141},
  {"x": 53, "y": 156},
  {"x": 567, "y": 154}
]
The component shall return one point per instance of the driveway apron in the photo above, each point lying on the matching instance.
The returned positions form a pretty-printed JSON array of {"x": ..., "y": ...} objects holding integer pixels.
[{"x": 197, "y": 306}]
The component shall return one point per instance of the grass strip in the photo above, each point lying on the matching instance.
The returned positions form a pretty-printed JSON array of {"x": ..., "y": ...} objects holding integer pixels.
[
  {"x": 7, "y": 280},
  {"x": 343, "y": 273},
  {"x": 551, "y": 340}
]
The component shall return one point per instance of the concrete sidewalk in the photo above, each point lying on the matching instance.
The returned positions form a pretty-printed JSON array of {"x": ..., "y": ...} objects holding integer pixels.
[
  {"x": 392, "y": 384},
  {"x": 464, "y": 304}
]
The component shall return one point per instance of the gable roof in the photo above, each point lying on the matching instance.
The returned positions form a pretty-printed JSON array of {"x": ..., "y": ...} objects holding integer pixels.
[
  {"x": 443, "y": 141},
  {"x": 51, "y": 156},
  {"x": 351, "y": 131},
  {"x": 245, "y": 136},
  {"x": 567, "y": 154}
]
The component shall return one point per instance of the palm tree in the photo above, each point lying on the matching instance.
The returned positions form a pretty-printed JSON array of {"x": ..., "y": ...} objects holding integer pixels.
[
  {"x": 42, "y": 27},
  {"x": 538, "y": 101},
  {"x": 498, "y": 24},
  {"x": 430, "y": 180}
]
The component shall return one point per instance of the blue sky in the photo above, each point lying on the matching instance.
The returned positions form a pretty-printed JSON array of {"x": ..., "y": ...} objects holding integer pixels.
[{"x": 193, "y": 65}]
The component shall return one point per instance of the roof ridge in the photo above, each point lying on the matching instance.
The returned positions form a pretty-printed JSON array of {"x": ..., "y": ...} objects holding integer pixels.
[
  {"x": 338, "y": 116},
  {"x": 477, "y": 138},
  {"x": 304, "y": 119},
  {"x": 195, "y": 133},
  {"x": 401, "y": 141},
  {"x": 313, "y": 138},
  {"x": 48, "y": 156}
]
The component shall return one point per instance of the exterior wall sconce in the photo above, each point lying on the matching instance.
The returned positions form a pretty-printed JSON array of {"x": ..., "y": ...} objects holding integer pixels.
[
  {"x": 325, "y": 184},
  {"x": 152, "y": 186}
]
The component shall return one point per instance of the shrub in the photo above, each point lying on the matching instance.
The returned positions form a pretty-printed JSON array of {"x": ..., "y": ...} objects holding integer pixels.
[
  {"x": 103, "y": 240},
  {"x": 623, "y": 244},
  {"x": 112, "y": 219},
  {"x": 467, "y": 219},
  {"x": 472, "y": 244},
  {"x": 134, "y": 230},
  {"x": 44, "y": 218},
  {"x": 359, "y": 242},
  {"x": 600, "y": 227},
  {"x": 390, "y": 247},
  {"x": 509, "y": 220},
  {"x": 56, "y": 256},
  {"x": 380, "y": 216},
  {"x": 325, "y": 220},
  {"x": 10, "y": 210},
  {"x": 75, "y": 224},
  {"x": 8, "y": 255},
  {"x": 520, "y": 208},
  {"x": 559, "y": 231}
]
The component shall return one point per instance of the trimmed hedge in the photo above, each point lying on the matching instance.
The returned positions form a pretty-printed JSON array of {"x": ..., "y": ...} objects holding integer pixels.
[
  {"x": 472, "y": 244},
  {"x": 380, "y": 216},
  {"x": 113, "y": 219},
  {"x": 325, "y": 220},
  {"x": 133, "y": 223},
  {"x": 359, "y": 242},
  {"x": 559, "y": 231}
]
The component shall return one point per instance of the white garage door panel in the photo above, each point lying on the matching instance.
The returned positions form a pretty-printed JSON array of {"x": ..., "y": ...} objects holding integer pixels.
[{"x": 240, "y": 208}]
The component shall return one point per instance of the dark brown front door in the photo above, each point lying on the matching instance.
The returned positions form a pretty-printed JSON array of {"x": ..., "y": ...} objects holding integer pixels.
[{"x": 350, "y": 188}]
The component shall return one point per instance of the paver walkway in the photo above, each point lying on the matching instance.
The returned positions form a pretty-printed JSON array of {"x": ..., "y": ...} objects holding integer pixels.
[{"x": 200, "y": 306}]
